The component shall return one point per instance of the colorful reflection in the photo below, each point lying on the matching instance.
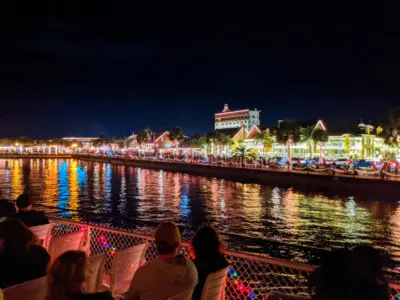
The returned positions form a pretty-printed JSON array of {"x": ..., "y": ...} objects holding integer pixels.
[
  {"x": 17, "y": 186},
  {"x": 250, "y": 217}
]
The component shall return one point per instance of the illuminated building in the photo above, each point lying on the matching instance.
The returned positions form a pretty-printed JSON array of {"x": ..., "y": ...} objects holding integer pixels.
[
  {"x": 363, "y": 145},
  {"x": 160, "y": 143},
  {"x": 237, "y": 118},
  {"x": 80, "y": 139}
]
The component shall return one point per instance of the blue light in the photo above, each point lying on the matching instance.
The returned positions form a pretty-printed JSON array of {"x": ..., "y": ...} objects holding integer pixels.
[
  {"x": 63, "y": 190},
  {"x": 82, "y": 177},
  {"x": 184, "y": 206}
]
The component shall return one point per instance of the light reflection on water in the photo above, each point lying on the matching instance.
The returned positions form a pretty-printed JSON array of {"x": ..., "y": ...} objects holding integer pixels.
[{"x": 251, "y": 217}]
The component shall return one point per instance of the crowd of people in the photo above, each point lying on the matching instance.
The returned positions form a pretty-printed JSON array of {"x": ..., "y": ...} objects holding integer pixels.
[{"x": 344, "y": 274}]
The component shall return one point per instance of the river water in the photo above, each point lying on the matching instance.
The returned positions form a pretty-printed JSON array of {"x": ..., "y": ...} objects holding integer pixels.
[{"x": 249, "y": 217}]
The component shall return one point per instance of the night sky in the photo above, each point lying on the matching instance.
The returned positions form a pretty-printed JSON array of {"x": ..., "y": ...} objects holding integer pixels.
[{"x": 131, "y": 67}]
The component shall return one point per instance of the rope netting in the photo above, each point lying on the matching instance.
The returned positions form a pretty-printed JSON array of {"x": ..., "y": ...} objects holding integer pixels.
[{"x": 249, "y": 277}]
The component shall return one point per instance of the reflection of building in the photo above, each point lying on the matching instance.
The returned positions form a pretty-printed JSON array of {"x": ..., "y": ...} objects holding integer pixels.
[{"x": 237, "y": 118}]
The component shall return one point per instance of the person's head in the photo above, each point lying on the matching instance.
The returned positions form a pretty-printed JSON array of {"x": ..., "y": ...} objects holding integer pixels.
[
  {"x": 367, "y": 262},
  {"x": 206, "y": 243},
  {"x": 7, "y": 208},
  {"x": 24, "y": 202},
  {"x": 66, "y": 276},
  {"x": 15, "y": 237},
  {"x": 167, "y": 238},
  {"x": 332, "y": 279}
]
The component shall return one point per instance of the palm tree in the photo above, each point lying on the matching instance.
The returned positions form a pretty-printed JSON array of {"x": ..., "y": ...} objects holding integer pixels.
[
  {"x": 217, "y": 138},
  {"x": 222, "y": 140},
  {"x": 24, "y": 141},
  {"x": 306, "y": 137},
  {"x": 242, "y": 152},
  {"x": 176, "y": 133},
  {"x": 149, "y": 133},
  {"x": 120, "y": 142},
  {"x": 388, "y": 156},
  {"x": 320, "y": 136},
  {"x": 391, "y": 135},
  {"x": 142, "y": 137},
  {"x": 230, "y": 143},
  {"x": 288, "y": 133},
  {"x": 100, "y": 141},
  {"x": 264, "y": 138},
  {"x": 6, "y": 142},
  {"x": 391, "y": 131},
  {"x": 199, "y": 141}
]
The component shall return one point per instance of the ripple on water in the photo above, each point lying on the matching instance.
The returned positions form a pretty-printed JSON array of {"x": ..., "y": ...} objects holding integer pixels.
[{"x": 251, "y": 217}]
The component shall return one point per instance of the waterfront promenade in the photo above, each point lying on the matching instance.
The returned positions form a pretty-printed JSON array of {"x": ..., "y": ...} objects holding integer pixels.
[
  {"x": 326, "y": 181},
  {"x": 33, "y": 155}
]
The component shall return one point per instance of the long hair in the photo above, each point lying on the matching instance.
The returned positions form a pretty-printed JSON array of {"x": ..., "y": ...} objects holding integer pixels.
[
  {"x": 15, "y": 238},
  {"x": 66, "y": 276},
  {"x": 206, "y": 243}
]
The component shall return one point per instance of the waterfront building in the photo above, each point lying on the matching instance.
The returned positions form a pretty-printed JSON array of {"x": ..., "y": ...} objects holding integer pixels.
[
  {"x": 236, "y": 118},
  {"x": 367, "y": 144},
  {"x": 160, "y": 143},
  {"x": 82, "y": 140}
]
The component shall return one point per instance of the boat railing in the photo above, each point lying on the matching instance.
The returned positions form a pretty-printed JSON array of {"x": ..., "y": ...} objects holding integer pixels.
[{"x": 250, "y": 276}]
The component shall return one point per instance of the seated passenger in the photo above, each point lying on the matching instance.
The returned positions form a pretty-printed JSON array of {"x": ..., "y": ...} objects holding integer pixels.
[
  {"x": 7, "y": 208},
  {"x": 66, "y": 277},
  {"x": 21, "y": 259},
  {"x": 332, "y": 280},
  {"x": 27, "y": 214},
  {"x": 169, "y": 274},
  {"x": 208, "y": 256},
  {"x": 368, "y": 281}
]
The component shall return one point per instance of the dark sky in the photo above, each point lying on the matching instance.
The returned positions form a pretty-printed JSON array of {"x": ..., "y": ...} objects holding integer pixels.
[{"x": 62, "y": 74}]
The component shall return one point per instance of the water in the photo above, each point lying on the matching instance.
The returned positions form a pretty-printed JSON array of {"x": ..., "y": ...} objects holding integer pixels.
[{"x": 250, "y": 217}]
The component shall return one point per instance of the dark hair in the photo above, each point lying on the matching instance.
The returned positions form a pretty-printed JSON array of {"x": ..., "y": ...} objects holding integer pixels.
[
  {"x": 24, "y": 200},
  {"x": 206, "y": 243},
  {"x": 66, "y": 276},
  {"x": 7, "y": 208},
  {"x": 16, "y": 238},
  {"x": 332, "y": 279},
  {"x": 367, "y": 262}
]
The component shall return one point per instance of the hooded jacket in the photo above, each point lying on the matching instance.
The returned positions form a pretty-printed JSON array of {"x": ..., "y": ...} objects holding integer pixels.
[{"x": 160, "y": 279}]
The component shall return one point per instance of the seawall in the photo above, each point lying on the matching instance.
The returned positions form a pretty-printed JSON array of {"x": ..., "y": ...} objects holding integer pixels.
[
  {"x": 330, "y": 185},
  {"x": 33, "y": 156}
]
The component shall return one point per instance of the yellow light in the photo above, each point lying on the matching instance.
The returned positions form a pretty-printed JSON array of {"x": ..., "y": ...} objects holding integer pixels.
[{"x": 74, "y": 145}]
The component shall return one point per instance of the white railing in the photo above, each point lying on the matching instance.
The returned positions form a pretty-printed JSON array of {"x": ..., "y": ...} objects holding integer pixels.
[{"x": 250, "y": 276}]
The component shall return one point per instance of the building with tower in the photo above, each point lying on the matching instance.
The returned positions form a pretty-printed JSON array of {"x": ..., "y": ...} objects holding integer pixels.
[{"x": 236, "y": 118}]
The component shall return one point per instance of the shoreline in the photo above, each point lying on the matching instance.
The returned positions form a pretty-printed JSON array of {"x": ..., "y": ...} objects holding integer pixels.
[
  {"x": 33, "y": 156},
  {"x": 308, "y": 182},
  {"x": 335, "y": 185}
]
